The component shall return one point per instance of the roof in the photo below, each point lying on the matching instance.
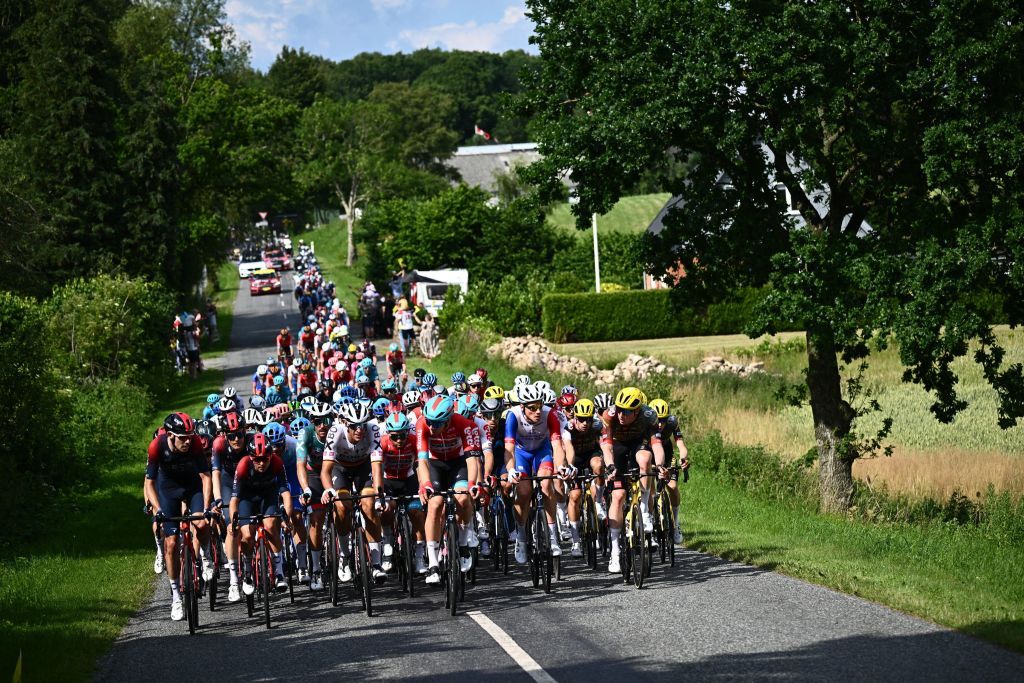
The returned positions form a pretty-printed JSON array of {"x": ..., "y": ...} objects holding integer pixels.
[{"x": 478, "y": 165}]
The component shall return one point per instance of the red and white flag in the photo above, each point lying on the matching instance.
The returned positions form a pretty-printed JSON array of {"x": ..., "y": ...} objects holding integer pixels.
[{"x": 477, "y": 130}]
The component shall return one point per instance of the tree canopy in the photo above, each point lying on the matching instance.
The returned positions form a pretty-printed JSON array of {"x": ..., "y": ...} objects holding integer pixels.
[{"x": 895, "y": 130}]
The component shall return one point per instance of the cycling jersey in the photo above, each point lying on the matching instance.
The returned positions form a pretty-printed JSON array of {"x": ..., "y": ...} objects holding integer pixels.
[
  {"x": 344, "y": 453},
  {"x": 249, "y": 482},
  {"x": 668, "y": 433},
  {"x": 532, "y": 437},
  {"x": 643, "y": 431},
  {"x": 182, "y": 468},
  {"x": 309, "y": 451},
  {"x": 585, "y": 441},
  {"x": 226, "y": 460},
  {"x": 459, "y": 437},
  {"x": 397, "y": 460},
  {"x": 307, "y": 379},
  {"x": 284, "y": 341},
  {"x": 276, "y": 395},
  {"x": 395, "y": 361}
]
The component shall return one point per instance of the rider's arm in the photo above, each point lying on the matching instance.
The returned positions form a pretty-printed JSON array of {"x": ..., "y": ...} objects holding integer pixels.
[
  {"x": 606, "y": 445},
  {"x": 152, "y": 465},
  {"x": 684, "y": 459},
  {"x": 555, "y": 435},
  {"x": 659, "y": 451},
  {"x": 300, "y": 462}
]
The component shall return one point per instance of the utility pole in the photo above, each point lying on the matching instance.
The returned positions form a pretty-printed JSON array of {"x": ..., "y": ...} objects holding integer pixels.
[{"x": 597, "y": 258}]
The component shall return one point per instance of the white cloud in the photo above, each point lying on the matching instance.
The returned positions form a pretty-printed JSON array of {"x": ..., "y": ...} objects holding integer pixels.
[
  {"x": 385, "y": 5},
  {"x": 265, "y": 23},
  {"x": 470, "y": 35}
]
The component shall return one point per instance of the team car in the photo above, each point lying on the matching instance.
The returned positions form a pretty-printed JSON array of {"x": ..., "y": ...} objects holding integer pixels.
[
  {"x": 278, "y": 259},
  {"x": 264, "y": 281}
]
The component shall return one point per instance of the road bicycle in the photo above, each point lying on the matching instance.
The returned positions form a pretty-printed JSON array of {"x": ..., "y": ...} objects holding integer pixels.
[
  {"x": 664, "y": 517},
  {"x": 214, "y": 559},
  {"x": 591, "y": 532},
  {"x": 189, "y": 571},
  {"x": 405, "y": 543},
  {"x": 500, "y": 522},
  {"x": 259, "y": 566},
  {"x": 543, "y": 565},
  {"x": 449, "y": 558},
  {"x": 358, "y": 559},
  {"x": 636, "y": 559}
]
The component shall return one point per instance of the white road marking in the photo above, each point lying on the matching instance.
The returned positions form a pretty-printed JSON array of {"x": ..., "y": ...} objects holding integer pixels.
[{"x": 511, "y": 647}]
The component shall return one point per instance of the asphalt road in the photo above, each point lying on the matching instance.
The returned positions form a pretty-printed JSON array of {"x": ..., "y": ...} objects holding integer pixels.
[{"x": 706, "y": 619}]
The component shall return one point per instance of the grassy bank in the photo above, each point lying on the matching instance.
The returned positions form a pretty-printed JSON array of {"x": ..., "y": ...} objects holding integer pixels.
[
  {"x": 65, "y": 598},
  {"x": 630, "y": 214},
  {"x": 330, "y": 244},
  {"x": 225, "y": 289}
]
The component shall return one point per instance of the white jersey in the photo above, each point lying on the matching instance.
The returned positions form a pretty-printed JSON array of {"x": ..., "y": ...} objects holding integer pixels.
[
  {"x": 486, "y": 443},
  {"x": 530, "y": 437},
  {"x": 344, "y": 453}
]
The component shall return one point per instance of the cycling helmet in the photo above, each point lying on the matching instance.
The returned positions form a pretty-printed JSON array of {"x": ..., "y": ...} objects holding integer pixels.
[
  {"x": 429, "y": 380},
  {"x": 512, "y": 396},
  {"x": 494, "y": 392},
  {"x": 259, "y": 446},
  {"x": 352, "y": 348},
  {"x": 274, "y": 399},
  {"x": 271, "y": 360},
  {"x": 319, "y": 409},
  {"x": 226, "y": 405},
  {"x": 439, "y": 409},
  {"x": 439, "y": 389},
  {"x": 629, "y": 398},
  {"x": 393, "y": 347},
  {"x": 261, "y": 369},
  {"x": 643, "y": 397},
  {"x": 603, "y": 401},
  {"x": 388, "y": 385},
  {"x": 380, "y": 407},
  {"x": 397, "y": 422},
  {"x": 307, "y": 401},
  {"x": 362, "y": 378},
  {"x": 467, "y": 405},
  {"x": 584, "y": 409},
  {"x": 297, "y": 426},
  {"x": 566, "y": 400},
  {"x": 482, "y": 374},
  {"x": 491, "y": 406},
  {"x": 257, "y": 402},
  {"x": 179, "y": 424},
  {"x": 542, "y": 385},
  {"x": 231, "y": 423},
  {"x": 230, "y": 392},
  {"x": 523, "y": 379},
  {"x": 354, "y": 414},
  {"x": 549, "y": 397},
  {"x": 262, "y": 418},
  {"x": 212, "y": 398},
  {"x": 458, "y": 377},
  {"x": 251, "y": 417},
  {"x": 349, "y": 391},
  {"x": 296, "y": 362},
  {"x": 570, "y": 389},
  {"x": 278, "y": 381},
  {"x": 419, "y": 373},
  {"x": 660, "y": 408},
  {"x": 275, "y": 432},
  {"x": 366, "y": 363},
  {"x": 529, "y": 393},
  {"x": 474, "y": 380},
  {"x": 206, "y": 429},
  {"x": 411, "y": 399}
]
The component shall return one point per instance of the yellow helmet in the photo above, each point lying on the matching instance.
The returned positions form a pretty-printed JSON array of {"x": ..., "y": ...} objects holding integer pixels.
[
  {"x": 494, "y": 392},
  {"x": 643, "y": 397},
  {"x": 660, "y": 408},
  {"x": 352, "y": 348},
  {"x": 629, "y": 398},
  {"x": 584, "y": 408}
]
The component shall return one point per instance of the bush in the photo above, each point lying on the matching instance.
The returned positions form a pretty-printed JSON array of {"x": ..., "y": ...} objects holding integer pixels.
[
  {"x": 620, "y": 259},
  {"x": 512, "y": 306},
  {"x": 106, "y": 418},
  {"x": 614, "y": 316}
]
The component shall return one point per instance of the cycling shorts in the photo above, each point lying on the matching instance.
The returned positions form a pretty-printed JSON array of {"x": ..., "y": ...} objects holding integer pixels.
[
  {"x": 404, "y": 487},
  {"x": 170, "y": 496},
  {"x": 624, "y": 455},
  {"x": 254, "y": 504},
  {"x": 448, "y": 474},
  {"x": 227, "y": 485},
  {"x": 582, "y": 464},
  {"x": 532, "y": 462},
  {"x": 348, "y": 479}
]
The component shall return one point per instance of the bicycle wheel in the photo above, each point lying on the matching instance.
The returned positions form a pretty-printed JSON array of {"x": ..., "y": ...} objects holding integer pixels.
[
  {"x": 532, "y": 550},
  {"x": 289, "y": 567},
  {"x": 668, "y": 546},
  {"x": 454, "y": 568},
  {"x": 265, "y": 566},
  {"x": 188, "y": 582},
  {"x": 365, "y": 579},
  {"x": 250, "y": 600},
  {"x": 588, "y": 532},
  {"x": 408, "y": 555},
  {"x": 637, "y": 547},
  {"x": 331, "y": 543},
  {"x": 211, "y": 587},
  {"x": 494, "y": 527}
]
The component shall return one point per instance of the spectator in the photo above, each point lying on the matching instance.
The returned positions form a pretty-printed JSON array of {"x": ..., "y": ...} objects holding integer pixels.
[{"x": 211, "y": 320}]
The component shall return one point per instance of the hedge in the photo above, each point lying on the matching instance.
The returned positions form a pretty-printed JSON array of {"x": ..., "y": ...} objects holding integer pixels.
[{"x": 635, "y": 314}]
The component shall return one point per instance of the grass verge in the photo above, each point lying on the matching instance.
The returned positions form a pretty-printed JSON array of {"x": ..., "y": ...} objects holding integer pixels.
[
  {"x": 330, "y": 245},
  {"x": 630, "y": 214},
  {"x": 225, "y": 290},
  {"x": 66, "y": 597}
]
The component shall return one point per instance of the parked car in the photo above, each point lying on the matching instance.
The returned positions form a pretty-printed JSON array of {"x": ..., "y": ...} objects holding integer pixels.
[
  {"x": 264, "y": 281},
  {"x": 278, "y": 259}
]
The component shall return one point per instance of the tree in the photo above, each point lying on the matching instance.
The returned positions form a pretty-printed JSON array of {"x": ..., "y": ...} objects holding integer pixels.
[
  {"x": 297, "y": 76},
  {"x": 896, "y": 129}
]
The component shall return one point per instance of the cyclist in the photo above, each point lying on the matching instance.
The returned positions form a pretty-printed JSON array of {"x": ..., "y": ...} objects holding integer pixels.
[
  {"x": 395, "y": 471},
  {"x": 306, "y": 378},
  {"x": 389, "y": 388},
  {"x": 210, "y": 410},
  {"x": 492, "y": 432},
  {"x": 178, "y": 474},
  {"x": 459, "y": 387},
  {"x": 584, "y": 434},
  {"x": 668, "y": 430},
  {"x": 446, "y": 448},
  {"x": 629, "y": 439},
  {"x": 306, "y": 338},
  {"x": 413, "y": 404},
  {"x": 284, "y": 346},
  {"x": 259, "y": 480},
  {"x": 284, "y": 446},
  {"x": 278, "y": 393},
  {"x": 396, "y": 364},
  {"x": 533, "y": 446},
  {"x": 602, "y": 402},
  {"x": 228, "y": 451},
  {"x": 309, "y": 456},
  {"x": 352, "y": 442},
  {"x": 428, "y": 386},
  {"x": 232, "y": 394},
  {"x": 476, "y": 386},
  {"x": 292, "y": 375}
]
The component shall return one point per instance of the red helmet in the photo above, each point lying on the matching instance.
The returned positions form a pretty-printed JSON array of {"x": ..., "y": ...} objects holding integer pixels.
[
  {"x": 179, "y": 424},
  {"x": 259, "y": 446},
  {"x": 232, "y": 423},
  {"x": 566, "y": 400},
  {"x": 482, "y": 373}
]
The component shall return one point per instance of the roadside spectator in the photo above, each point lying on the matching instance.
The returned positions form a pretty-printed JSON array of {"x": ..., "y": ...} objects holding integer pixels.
[{"x": 211, "y": 320}]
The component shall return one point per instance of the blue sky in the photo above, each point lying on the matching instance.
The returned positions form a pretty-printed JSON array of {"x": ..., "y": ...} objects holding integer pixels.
[{"x": 339, "y": 29}]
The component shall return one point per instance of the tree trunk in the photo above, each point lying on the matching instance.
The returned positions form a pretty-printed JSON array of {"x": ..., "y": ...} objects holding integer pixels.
[
  {"x": 833, "y": 417},
  {"x": 351, "y": 220}
]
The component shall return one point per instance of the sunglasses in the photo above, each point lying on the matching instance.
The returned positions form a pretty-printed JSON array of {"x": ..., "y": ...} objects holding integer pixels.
[
  {"x": 179, "y": 437},
  {"x": 531, "y": 406},
  {"x": 624, "y": 412},
  {"x": 235, "y": 435},
  {"x": 437, "y": 423},
  {"x": 259, "y": 460},
  {"x": 357, "y": 427},
  {"x": 323, "y": 422}
]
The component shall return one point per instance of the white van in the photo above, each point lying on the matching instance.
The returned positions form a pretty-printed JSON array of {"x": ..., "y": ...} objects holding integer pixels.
[{"x": 430, "y": 286}]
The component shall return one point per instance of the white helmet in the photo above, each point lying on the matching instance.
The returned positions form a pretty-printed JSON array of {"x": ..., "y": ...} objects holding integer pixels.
[
  {"x": 542, "y": 385},
  {"x": 354, "y": 414},
  {"x": 528, "y": 393},
  {"x": 297, "y": 362},
  {"x": 261, "y": 369},
  {"x": 411, "y": 398},
  {"x": 549, "y": 397},
  {"x": 230, "y": 392},
  {"x": 251, "y": 416},
  {"x": 523, "y": 379},
  {"x": 603, "y": 401},
  {"x": 226, "y": 405},
  {"x": 320, "y": 409},
  {"x": 439, "y": 389}
]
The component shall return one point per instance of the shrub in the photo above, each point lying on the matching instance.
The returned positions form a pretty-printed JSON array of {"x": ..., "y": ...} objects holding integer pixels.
[
  {"x": 612, "y": 316},
  {"x": 620, "y": 260},
  {"x": 512, "y": 306},
  {"x": 106, "y": 418}
]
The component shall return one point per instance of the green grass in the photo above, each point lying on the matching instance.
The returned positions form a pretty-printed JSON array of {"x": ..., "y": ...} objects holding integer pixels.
[
  {"x": 66, "y": 597},
  {"x": 330, "y": 243},
  {"x": 224, "y": 293},
  {"x": 630, "y": 214},
  {"x": 954, "y": 576}
]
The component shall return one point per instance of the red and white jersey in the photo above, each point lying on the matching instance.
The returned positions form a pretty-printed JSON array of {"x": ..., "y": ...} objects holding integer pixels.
[
  {"x": 399, "y": 462},
  {"x": 459, "y": 437}
]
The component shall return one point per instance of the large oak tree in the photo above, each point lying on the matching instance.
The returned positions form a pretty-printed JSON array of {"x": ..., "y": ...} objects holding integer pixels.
[{"x": 895, "y": 127}]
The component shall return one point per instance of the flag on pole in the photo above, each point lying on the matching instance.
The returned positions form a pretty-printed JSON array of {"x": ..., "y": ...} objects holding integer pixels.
[{"x": 477, "y": 130}]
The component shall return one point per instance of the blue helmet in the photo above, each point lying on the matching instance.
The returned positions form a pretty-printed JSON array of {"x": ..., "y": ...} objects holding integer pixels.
[
  {"x": 275, "y": 432},
  {"x": 278, "y": 381},
  {"x": 468, "y": 405},
  {"x": 388, "y": 385},
  {"x": 273, "y": 399},
  {"x": 257, "y": 402},
  {"x": 429, "y": 380},
  {"x": 212, "y": 398},
  {"x": 397, "y": 422},
  {"x": 362, "y": 378},
  {"x": 297, "y": 425},
  {"x": 380, "y": 407},
  {"x": 349, "y": 391},
  {"x": 458, "y": 377},
  {"x": 439, "y": 409},
  {"x": 366, "y": 363}
]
